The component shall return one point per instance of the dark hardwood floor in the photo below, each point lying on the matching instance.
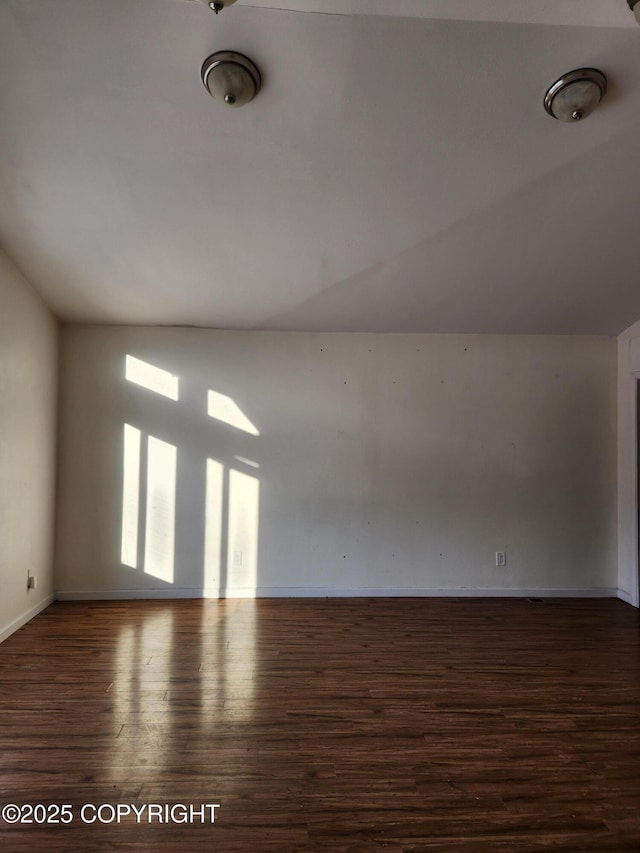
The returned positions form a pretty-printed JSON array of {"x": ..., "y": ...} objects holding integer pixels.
[{"x": 333, "y": 725}]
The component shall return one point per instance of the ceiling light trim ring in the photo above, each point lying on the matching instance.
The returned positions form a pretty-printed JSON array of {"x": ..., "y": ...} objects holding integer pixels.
[
  {"x": 579, "y": 75},
  {"x": 240, "y": 63}
]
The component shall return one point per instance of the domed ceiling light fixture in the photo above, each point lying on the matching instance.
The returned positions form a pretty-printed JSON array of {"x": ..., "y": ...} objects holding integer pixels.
[
  {"x": 218, "y": 5},
  {"x": 634, "y": 5},
  {"x": 576, "y": 95},
  {"x": 231, "y": 77}
]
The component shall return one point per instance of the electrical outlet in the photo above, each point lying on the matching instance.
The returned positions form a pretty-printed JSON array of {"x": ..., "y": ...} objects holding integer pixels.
[
  {"x": 501, "y": 558},
  {"x": 237, "y": 558},
  {"x": 32, "y": 581}
]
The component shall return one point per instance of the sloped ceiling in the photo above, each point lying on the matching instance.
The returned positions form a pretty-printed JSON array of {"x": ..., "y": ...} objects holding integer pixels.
[{"x": 396, "y": 173}]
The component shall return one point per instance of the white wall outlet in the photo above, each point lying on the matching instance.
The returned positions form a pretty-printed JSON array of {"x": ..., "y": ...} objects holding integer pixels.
[
  {"x": 32, "y": 581},
  {"x": 501, "y": 558},
  {"x": 237, "y": 558}
]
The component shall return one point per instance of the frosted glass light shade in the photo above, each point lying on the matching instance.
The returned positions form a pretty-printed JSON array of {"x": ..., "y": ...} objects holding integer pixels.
[
  {"x": 231, "y": 77},
  {"x": 575, "y": 95}
]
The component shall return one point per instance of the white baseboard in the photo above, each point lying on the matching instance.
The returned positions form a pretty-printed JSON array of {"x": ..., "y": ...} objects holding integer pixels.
[
  {"x": 623, "y": 595},
  {"x": 127, "y": 594},
  {"x": 12, "y": 627},
  {"x": 332, "y": 592}
]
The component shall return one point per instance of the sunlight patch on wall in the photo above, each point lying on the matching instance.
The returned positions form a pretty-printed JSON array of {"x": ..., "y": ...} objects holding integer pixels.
[
  {"x": 242, "y": 545},
  {"x": 213, "y": 527},
  {"x": 224, "y": 409},
  {"x": 161, "y": 510},
  {"x": 130, "y": 496},
  {"x": 151, "y": 377}
]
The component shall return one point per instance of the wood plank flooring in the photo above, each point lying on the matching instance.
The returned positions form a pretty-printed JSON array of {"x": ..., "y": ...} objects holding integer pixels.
[{"x": 343, "y": 725}]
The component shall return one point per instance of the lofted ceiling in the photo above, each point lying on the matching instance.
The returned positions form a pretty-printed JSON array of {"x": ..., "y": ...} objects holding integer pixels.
[{"x": 397, "y": 172}]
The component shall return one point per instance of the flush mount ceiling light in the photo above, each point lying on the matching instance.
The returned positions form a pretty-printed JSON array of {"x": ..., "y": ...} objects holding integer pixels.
[
  {"x": 576, "y": 94},
  {"x": 218, "y": 5},
  {"x": 634, "y": 5},
  {"x": 231, "y": 77}
]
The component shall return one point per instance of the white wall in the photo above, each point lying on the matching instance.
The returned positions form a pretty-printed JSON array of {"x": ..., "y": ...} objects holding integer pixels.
[
  {"x": 628, "y": 374},
  {"x": 387, "y": 464},
  {"x": 28, "y": 380}
]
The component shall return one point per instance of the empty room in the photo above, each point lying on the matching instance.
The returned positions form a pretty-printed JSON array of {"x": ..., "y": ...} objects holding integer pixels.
[{"x": 319, "y": 364}]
